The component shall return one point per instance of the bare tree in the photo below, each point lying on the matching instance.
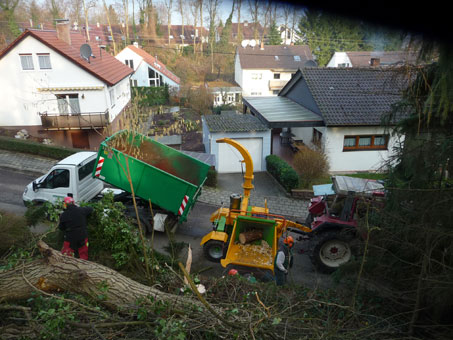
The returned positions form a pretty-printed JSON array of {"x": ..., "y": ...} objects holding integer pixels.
[
  {"x": 201, "y": 25},
  {"x": 238, "y": 6},
  {"x": 288, "y": 9},
  {"x": 254, "y": 6},
  {"x": 126, "y": 19},
  {"x": 194, "y": 11},
  {"x": 266, "y": 19},
  {"x": 212, "y": 7},
  {"x": 110, "y": 27},
  {"x": 169, "y": 7},
  {"x": 181, "y": 5},
  {"x": 86, "y": 7}
]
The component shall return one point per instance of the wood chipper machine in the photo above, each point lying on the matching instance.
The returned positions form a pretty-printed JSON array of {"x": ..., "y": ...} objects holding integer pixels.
[{"x": 246, "y": 237}]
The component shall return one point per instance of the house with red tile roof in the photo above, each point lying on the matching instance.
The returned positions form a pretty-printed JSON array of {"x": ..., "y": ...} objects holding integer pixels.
[
  {"x": 57, "y": 86},
  {"x": 148, "y": 69}
]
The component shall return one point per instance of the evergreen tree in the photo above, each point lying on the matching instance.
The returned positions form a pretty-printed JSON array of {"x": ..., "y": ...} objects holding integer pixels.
[
  {"x": 326, "y": 34},
  {"x": 274, "y": 35}
]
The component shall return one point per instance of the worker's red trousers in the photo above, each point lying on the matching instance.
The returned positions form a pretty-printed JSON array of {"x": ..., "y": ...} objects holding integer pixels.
[{"x": 83, "y": 250}]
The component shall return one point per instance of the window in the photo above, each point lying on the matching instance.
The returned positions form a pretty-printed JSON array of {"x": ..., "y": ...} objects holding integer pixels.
[
  {"x": 27, "y": 61},
  {"x": 112, "y": 96},
  {"x": 86, "y": 170},
  {"x": 276, "y": 75},
  {"x": 58, "y": 178},
  {"x": 44, "y": 61},
  {"x": 68, "y": 103},
  {"x": 343, "y": 65},
  {"x": 369, "y": 142},
  {"x": 129, "y": 63},
  {"x": 257, "y": 76},
  {"x": 154, "y": 78},
  {"x": 296, "y": 58},
  {"x": 275, "y": 91}
]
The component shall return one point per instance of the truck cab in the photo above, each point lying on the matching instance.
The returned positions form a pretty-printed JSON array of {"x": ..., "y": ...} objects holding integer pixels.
[{"x": 70, "y": 176}]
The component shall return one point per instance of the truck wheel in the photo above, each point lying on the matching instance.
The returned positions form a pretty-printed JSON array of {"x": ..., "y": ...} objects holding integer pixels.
[
  {"x": 214, "y": 250},
  {"x": 330, "y": 250}
]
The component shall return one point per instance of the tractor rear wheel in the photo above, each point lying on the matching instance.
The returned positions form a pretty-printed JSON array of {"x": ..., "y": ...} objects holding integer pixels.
[
  {"x": 331, "y": 249},
  {"x": 214, "y": 250}
]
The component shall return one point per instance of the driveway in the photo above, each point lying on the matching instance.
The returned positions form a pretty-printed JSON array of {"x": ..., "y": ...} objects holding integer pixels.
[{"x": 264, "y": 184}]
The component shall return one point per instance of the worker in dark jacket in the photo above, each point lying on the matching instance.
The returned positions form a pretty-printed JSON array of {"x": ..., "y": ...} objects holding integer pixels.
[
  {"x": 283, "y": 261},
  {"x": 73, "y": 222}
]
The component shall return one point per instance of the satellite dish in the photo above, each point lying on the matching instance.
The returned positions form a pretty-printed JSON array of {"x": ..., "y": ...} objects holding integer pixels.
[
  {"x": 244, "y": 43},
  {"x": 253, "y": 42},
  {"x": 310, "y": 63},
  {"x": 85, "y": 52}
]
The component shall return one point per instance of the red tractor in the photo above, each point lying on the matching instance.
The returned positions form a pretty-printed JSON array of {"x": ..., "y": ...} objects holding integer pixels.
[{"x": 333, "y": 214}]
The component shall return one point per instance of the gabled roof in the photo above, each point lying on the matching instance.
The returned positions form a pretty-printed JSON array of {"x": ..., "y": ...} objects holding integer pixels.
[
  {"x": 363, "y": 58},
  {"x": 279, "y": 57},
  {"x": 103, "y": 66},
  {"x": 352, "y": 96},
  {"x": 154, "y": 63},
  {"x": 232, "y": 122}
]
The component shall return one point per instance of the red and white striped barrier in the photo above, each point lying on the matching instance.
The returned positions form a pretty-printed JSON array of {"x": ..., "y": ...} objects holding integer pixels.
[
  {"x": 183, "y": 205},
  {"x": 99, "y": 166}
]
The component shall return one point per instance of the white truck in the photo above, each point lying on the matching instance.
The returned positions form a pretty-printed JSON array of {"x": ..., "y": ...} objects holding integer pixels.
[{"x": 71, "y": 176}]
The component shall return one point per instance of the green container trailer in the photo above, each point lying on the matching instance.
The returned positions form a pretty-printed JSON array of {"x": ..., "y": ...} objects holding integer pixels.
[{"x": 167, "y": 177}]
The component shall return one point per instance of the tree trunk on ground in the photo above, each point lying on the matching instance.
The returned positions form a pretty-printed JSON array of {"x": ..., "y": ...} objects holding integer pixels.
[
  {"x": 250, "y": 236},
  {"x": 58, "y": 272}
]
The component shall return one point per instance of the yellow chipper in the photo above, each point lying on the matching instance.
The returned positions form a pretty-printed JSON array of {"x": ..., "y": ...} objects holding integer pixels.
[{"x": 246, "y": 237}]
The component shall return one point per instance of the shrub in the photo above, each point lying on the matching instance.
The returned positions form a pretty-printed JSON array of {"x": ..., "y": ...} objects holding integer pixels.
[
  {"x": 211, "y": 180},
  {"x": 13, "y": 232},
  {"x": 310, "y": 164},
  {"x": 150, "y": 96},
  {"x": 282, "y": 172},
  {"x": 25, "y": 146}
]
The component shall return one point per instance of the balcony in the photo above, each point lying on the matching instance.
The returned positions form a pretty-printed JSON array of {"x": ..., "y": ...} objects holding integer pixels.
[
  {"x": 277, "y": 84},
  {"x": 87, "y": 120}
]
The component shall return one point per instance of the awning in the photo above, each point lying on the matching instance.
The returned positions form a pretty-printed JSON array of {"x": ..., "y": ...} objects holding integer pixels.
[
  {"x": 279, "y": 112},
  {"x": 72, "y": 88}
]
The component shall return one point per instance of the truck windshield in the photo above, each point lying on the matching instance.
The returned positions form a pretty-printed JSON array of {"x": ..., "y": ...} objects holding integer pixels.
[{"x": 58, "y": 178}]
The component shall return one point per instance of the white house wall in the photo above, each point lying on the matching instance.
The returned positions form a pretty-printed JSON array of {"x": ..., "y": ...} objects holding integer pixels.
[
  {"x": 260, "y": 86},
  {"x": 21, "y": 99},
  {"x": 350, "y": 161},
  {"x": 141, "y": 68},
  {"x": 339, "y": 58},
  {"x": 237, "y": 71}
]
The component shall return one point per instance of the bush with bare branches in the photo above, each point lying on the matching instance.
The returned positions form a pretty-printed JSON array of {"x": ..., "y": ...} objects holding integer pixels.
[{"x": 310, "y": 164}]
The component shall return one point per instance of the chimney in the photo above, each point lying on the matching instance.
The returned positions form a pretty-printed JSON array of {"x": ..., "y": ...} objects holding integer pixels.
[
  {"x": 135, "y": 44},
  {"x": 374, "y": 62},
  {"x": 262, "y": 46},
  {"x": 63, "y": 30}
]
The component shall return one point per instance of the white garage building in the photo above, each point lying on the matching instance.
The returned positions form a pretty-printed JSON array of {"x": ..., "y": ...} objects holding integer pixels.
[{"x": 245, "y": 129}]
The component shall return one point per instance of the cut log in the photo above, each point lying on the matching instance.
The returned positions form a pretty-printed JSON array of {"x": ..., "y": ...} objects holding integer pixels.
[
  {"x": 250, "y": 236},
  {"x": 57, "y": 272}
]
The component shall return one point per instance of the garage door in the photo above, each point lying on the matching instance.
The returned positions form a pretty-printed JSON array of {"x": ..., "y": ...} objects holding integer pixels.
[{"x": 229, "y": 158}]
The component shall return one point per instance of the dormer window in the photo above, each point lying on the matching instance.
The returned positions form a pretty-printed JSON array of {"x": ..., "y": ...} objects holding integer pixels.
[{"x": 296, "y": 58}]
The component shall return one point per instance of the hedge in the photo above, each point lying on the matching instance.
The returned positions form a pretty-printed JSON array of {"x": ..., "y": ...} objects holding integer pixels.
[
  {"x": 25, "y": 146},
  {"x": 150, "y": 96},
  {"x": 282, "y": 172}
]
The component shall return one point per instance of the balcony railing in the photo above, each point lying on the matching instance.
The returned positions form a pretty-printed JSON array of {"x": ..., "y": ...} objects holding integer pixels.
[
  {"x": 87, "y": 120},
  {"x": 277, "y": 84}
]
